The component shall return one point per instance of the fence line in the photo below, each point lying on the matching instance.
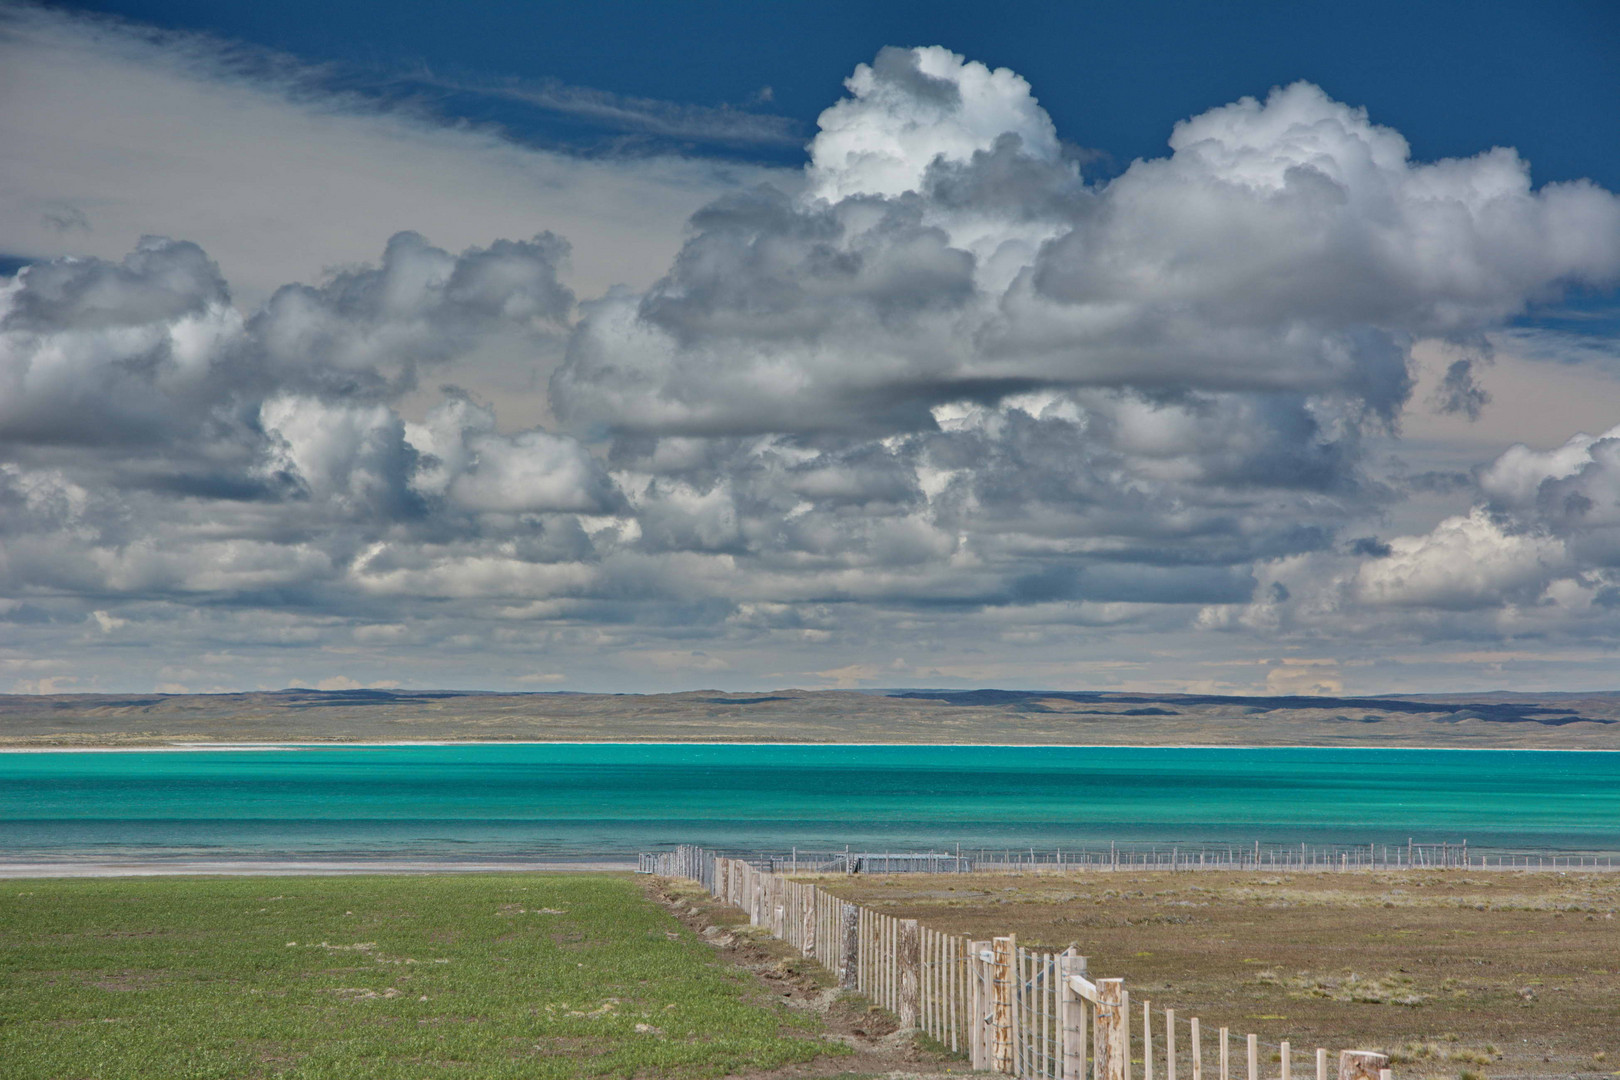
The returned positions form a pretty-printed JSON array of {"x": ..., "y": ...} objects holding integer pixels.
[
  {"x": 1118, "y": 855},
  {"x": 1011, "y": 1010}
]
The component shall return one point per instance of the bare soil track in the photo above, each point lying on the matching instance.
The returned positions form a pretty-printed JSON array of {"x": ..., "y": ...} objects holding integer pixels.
[{"x": 878, "y": 1048}]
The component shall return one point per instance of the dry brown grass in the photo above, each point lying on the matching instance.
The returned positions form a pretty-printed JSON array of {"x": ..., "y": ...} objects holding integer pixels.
[{"x": 1498, "y": 974}]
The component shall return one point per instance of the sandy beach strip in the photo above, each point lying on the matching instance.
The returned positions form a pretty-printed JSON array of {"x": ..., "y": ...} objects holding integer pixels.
[
  {"x": 93, "y": 868},
  {"x": 192, "y": 747}
]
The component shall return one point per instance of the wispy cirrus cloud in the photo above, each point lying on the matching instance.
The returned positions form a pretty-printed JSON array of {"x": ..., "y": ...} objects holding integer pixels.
[
  {"x": 674, "y": 120},
  {"x": 281, "y": 169}
]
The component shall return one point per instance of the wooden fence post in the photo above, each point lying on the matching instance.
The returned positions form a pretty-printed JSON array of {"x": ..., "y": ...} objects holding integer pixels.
[
  {"x": 1170, "y": 1045},
  {"x": 863, "y": 939},
  {"x": 1046, "y": 964},
  {"x": 910, "y": 964},
  {"x": 1125, "y": 1028},
  {"x": 807, "y": 920},
  {"x": 1361, "y": 1064},
  {"x": 1111, "y": 1026},
  {"x": 1016, "y": 998},
  {"x": 954, "y": 1006},
  {"x": 892, "y": 943},
  {"x": 849, "y": 968},
  {"x": 987, "y": 1002},
  {"x": 1002, "y": 1002},
  {"x": 975, "y": 1004},
  {"x": 1071, "y": 1017},
  {"x": 1147, "y": 1039},
  {"x": 933, "y": 965}
]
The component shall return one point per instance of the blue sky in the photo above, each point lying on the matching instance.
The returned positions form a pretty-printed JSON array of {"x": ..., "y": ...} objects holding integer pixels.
[
  {"x": 1452, "y": 77},
  {"x": 1165, "y": 346}
]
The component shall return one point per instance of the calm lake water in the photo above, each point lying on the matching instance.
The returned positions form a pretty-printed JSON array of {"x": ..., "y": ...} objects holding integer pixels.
[{"x": 539, "y": 801}]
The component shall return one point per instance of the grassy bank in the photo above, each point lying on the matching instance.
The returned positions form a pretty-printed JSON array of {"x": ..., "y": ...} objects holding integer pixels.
[
  {"x": 1499, "y": 974},
  {"x": 363, "y": 977}
]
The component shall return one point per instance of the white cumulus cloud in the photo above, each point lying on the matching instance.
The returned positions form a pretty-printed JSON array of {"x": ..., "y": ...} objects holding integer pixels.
[
  {"x": 1463, "y": 562},
  {"x": 939, "y": 388}
]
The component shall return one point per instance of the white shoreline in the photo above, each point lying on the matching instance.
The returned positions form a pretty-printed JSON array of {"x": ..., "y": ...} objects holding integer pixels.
[
  {"x": 181, "y": 748},
  {"x": 109, "y": 868}
]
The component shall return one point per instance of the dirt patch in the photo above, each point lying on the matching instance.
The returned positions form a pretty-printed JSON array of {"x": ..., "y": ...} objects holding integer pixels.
[
  {"x": 568, "y": 940},
  {"x": 574, "y": 1046},
  {"x": 360, "y": 993},
  {"x": 878, "y": 1047},
  {"x": 126, "y": 981}
]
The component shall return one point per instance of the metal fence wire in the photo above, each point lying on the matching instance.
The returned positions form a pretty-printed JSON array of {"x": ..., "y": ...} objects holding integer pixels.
[
  {"x": 1138, "y": 855},
  {"x": 1010, "y": 1010}
]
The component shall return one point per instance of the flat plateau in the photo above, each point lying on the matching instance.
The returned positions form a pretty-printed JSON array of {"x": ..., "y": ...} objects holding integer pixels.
[{"x": 1585, "y": 721}]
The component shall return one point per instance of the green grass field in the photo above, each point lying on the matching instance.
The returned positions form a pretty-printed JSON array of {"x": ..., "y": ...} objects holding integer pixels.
[{"x": 360, "y": 977}]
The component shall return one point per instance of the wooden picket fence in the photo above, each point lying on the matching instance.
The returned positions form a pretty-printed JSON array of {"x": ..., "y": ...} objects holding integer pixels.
[{"x": 1008, "y": 1009}]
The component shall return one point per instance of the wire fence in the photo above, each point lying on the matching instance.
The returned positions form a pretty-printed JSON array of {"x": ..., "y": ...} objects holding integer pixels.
[
  {"x": 1020, "y": 1012},
  {"x": 1140, "y": 855}
]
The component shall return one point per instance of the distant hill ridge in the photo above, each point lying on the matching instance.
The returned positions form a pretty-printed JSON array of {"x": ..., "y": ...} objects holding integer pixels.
[
  {"x": 1491, "y": 711},
  {"x": 1488, "y": 720}
]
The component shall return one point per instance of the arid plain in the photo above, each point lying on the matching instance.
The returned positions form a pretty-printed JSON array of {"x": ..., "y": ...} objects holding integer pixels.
[
  {"x": 1453, "y": 973},
  {"x": 1589, "y": 721}
]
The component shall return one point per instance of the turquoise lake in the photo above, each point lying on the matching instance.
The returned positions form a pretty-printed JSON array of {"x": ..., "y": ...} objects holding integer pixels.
[{"x": 571, "y": 801}]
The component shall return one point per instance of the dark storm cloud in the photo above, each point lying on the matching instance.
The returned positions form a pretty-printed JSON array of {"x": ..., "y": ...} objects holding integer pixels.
[{"x": 1460, "y": 392}]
